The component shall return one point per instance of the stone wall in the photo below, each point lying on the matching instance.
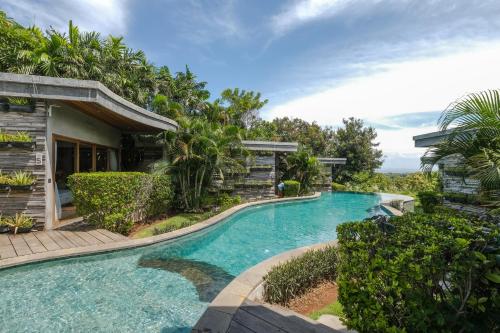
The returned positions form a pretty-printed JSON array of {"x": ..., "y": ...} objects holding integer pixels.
[
  {"x": 457, "y": 183},
  {"x": 31, "y": 203},
  {"x": 259, "y": 181}
]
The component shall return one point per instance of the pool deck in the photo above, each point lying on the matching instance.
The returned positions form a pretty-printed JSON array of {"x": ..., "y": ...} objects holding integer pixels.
[{"x": 20, "y": 245}]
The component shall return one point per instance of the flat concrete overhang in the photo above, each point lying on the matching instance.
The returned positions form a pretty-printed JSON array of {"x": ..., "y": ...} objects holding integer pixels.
[
  {"x": 271, "y": 146},
  {"x": 332, "y": 160},
  {"x": 91, "y": 97}
]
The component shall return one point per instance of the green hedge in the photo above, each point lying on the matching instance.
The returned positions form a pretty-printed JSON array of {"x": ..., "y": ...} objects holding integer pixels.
[
  {"x": 293, "y": 278},
  {"x": 420, "y": 273},
  {"x": 429, "y": 200},
  {"x": 338, "y": 187},
  {"x": 115, "y": 200},
  {"x": 292, "y": 188}
]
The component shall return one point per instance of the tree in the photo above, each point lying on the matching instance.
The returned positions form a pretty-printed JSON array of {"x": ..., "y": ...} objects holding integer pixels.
[
  {"x": 240, "y": 108},
  {"x": 473, "y": 123},
  {"x": 197, "y": 151},
  {"x": 310, "y": 135},
  {"x": 356, "y": 143},
  {"x": 304, "y": 168}
]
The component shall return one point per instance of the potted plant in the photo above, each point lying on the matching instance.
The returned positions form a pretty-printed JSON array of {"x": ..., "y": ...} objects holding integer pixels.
[
  {"x": 20, "y": 140},
  {"x": 4, "y": 226},
  {"x": 20, "y": 223},
  {"x": 22, "y": 181},
  {"x": 16, "y": 104},
  {"x": 4, "y": 182}
]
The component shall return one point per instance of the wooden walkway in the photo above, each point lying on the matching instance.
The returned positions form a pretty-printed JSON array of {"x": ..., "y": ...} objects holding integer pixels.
[{"x": 45, "y": 241}]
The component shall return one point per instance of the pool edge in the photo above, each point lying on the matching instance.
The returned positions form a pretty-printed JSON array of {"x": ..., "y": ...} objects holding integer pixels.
[{"x": 142, "y": 242}]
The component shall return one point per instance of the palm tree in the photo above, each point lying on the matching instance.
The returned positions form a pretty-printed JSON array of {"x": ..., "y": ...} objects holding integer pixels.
[
  {"x": 304, "y": 168},
  {"x": 473, "y": 123}
]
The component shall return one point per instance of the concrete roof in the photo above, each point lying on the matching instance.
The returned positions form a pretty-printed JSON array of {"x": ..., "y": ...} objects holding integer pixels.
[
  {"x": 91, "y": 97},
  {"x": 271, "y": 146},
  {"x": 429, "y": 139},
  {"x": 332, "y": 160}
]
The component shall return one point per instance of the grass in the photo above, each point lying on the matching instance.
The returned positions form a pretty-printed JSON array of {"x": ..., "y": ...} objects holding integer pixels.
[
  {"x": 333, "y": 309},
  {"x": 172, "y": 223}
]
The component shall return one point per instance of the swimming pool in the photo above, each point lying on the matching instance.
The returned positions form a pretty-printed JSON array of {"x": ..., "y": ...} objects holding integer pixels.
[{"x": 166, "y": 287}]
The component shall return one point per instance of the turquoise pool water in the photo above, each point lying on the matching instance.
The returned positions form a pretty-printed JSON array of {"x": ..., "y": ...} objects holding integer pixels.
[{"x": 166, "y": 287}]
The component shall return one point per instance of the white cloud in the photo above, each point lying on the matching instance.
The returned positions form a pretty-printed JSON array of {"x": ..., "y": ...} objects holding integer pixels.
[
  {"x": 303, "y": 11},
  {"x": 104, "y": 16},
  {"x": 396, "y": 88}
]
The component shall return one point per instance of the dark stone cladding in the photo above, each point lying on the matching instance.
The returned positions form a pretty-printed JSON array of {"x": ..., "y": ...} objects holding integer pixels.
[{"x": 11, "y": 159}]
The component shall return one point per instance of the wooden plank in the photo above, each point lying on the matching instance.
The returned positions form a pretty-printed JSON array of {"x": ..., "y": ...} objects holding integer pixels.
[
  {"x": 60, "y": 240},
  {"x": 89, "y": 238},
  {"x": 112, "y": 235},
  {"x": 20, "y": 245},
  {"x": 4, "y": 240},
  {"x": 48, "y": 242},
  {"x": 254, "y": 323},
  {"x": 34, "y": 244},
  {"x": 74, "y": 238},
  {"x": 235, "y": 327},
  {"x": 101, "y": 237},
  {"x": 7, "y": 251}
]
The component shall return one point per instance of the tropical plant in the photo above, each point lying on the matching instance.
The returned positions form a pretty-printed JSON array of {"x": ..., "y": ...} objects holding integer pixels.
[
  {"x": 22, "y": 178},
  {"x": 304, "y": 168},
  {"x": 20, "y": 220},
  {"x": 18, "y": 137},
  {"x": 473, "y": 132},
  {"x": 198, "y": 151}
]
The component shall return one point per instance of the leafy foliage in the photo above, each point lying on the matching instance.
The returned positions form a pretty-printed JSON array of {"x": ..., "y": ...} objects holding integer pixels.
[
  {"x": 17, "y": 137},
  {"x": 292, "y": 188},
  {"x": 115, "y": 200},
  {"x": 429, "y": 200},
  {"x": 295, "y": 277},
  {"x": 406, "y": 184},
  {"x": 304, "y": 168},
  {"x": 356, "y": 143},
  {"x": 420, "y": 273},
  {"x": 338, "y": 187},
  {"x": 473, "y": 123}
]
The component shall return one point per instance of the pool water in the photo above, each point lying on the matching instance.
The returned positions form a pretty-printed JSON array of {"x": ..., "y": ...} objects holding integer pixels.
[{"x": 166, "y": 287}]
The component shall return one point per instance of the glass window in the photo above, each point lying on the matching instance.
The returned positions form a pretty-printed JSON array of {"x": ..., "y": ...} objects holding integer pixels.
[
  {"x": 101, "y": 161},
  {"x": 113, "y": 160},
  {"x": 85, "y": 157}
]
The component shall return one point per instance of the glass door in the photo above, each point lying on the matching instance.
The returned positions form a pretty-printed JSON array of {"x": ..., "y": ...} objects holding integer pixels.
[{"x": 65, "y": 161}]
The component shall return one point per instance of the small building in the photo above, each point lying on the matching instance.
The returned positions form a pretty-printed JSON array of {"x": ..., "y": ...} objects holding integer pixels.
[
  {"x": 75, "y": 126},
  {"x": 327, "y": 164},
  {"x": 451, "y": 168}
]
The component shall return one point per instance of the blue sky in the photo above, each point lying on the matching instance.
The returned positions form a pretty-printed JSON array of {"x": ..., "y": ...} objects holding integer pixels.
[{"x": 395, "y": 63}]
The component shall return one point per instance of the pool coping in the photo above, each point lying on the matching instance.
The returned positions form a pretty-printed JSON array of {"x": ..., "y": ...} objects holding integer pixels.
[
  {"x": 141, "y": 242},
  {"x": 249, "y": 286}
]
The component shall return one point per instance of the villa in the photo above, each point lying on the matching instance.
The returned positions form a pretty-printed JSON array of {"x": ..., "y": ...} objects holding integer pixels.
[
  {"x": 76, "y": 126},
  {"x": 81, "y": 126}
]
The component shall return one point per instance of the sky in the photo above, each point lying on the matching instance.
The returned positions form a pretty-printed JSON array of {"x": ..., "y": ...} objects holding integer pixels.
[{"x": 396, "y": 64}]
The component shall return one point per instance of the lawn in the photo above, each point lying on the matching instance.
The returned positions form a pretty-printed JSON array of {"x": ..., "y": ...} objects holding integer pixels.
[
  {"x": 333, "y": 309},
  {"x": 172, "y": 223}
]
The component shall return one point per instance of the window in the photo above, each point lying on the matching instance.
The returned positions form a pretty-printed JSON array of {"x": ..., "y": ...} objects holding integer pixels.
[
  {"x": 85, "y": 163},
  {"x": 101, "y": 161}
]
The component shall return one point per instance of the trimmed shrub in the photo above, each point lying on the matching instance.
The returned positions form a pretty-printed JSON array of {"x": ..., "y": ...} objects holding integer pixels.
[
  {"x": 225, "y": 200},
  {"x": 115, "y": 200},
  {"x": 293, "y": 278},
  {"x": 429, "y": 200},
  {"x": 338, "y": 187},
  {"x": 292, "y": 188},
  {"x": 420, "y": 273}
]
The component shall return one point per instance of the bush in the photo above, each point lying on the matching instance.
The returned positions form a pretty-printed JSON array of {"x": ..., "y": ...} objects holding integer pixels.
[
  {"x": 470, "y": 199},
  {"x": 295, "y": 277},
  {"x": 225, "y": 200},
  {"x": 115, "y": 200},
  {"x": 420, "y": 273},
  {"x": 338, "y": 187},
  {"x": 292, "y": 188},
  {"x": 429, "y": 200}
]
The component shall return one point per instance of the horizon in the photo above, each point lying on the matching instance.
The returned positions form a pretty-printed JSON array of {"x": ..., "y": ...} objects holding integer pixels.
[{"x": 394, "y": 64}]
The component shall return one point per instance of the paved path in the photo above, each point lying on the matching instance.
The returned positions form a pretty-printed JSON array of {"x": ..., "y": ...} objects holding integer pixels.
[{"x": 45, "y": 241}]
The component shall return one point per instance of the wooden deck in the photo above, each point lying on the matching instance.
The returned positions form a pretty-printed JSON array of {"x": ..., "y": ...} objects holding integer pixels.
[{"x": 45, "y": 241}]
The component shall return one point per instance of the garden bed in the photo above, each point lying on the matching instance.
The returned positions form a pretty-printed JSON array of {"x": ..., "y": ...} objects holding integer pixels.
[{"x": 316, "y": 300}]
